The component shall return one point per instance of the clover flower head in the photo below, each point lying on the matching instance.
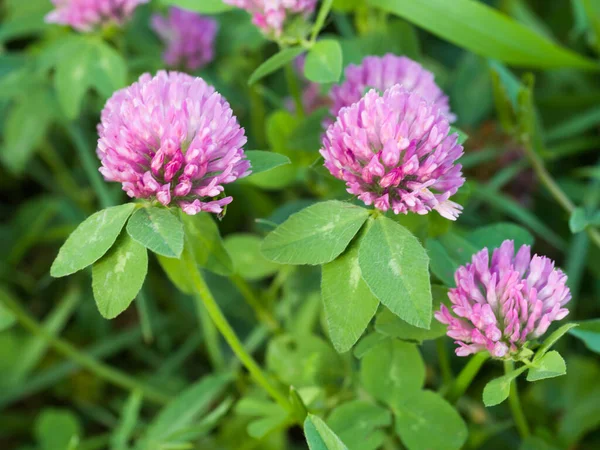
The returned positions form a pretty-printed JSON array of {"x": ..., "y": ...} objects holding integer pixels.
[
  {"x": 189, "y": 38},
  {"x": 394, "y": 151},
  {"x": 381, "y": 73},
  {"x": 500, "y": 305},
  {"x": 271, "y": 15},
  {"x": 86, "y": 15},
  {"x": 174, "y": 139}
]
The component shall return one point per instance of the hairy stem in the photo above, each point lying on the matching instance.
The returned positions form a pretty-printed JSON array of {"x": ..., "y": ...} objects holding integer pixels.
[
  {"x": 219, "y": 319},
  {"x": 515, "y": 403},
  {"x": 211, "y": 335},
  {"x": 466, "y": 376}
]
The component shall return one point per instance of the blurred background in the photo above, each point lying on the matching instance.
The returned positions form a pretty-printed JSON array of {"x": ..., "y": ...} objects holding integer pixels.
[{"x": 53, "y": 85}]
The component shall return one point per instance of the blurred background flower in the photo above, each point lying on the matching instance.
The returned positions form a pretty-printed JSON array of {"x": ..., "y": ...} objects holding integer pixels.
[
  {"x": 271, "y": 15},
  {"x": 381, "y": 73},
  {"x": 189, "y": 38},
  {"x": 85, "y": 15}
]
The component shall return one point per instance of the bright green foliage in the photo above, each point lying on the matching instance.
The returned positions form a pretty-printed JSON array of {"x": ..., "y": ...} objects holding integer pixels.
[
  {"x": 316, "y": 235},
  {"x": 91, "y": 240},
  {"x": 589, "y": 332},
  {"x": 264, "y": 161},
  {"x": 395, "y": 266},
  {"x": 275, "y": 62},
  {"x": 425, "y": 420},
  {"x": 348, "y": 302},
  {"x": 86, "y": 63},
  {"x": 260, "y": 428},
  {"x": 549, "y": 366},
  {"x": 172, "y": 425},
  {"x": 497, "y": 390},
  {"x": 205, "y": 241},
  {"x": 358, "y": 423},
  {"x": 552, "y": 339},
  {"x": 25, "y": 126},
  {"x": 392, "y": 369},
  {"x": 118, "y": 276},
  {"x": 319, "y": 436},
  {"x": 314, "y": 310},
  {"x": 324, "y": 10},
  {"x": 485, "y": 31},
  {"x": 157, "y": 229},
  {"x": 391, "y": 325},
  {"x": 368, "y": 342},
  {"x": 248, "y": 261},
  {"x": 175, "y": 270},
  {"x": 324, "y": 62},
  {"x": 447, "y": 253},
  {"x": 305, "y": 360},
  {"x": 267, "y": 415},
  {"x": 57, "y": 429}
]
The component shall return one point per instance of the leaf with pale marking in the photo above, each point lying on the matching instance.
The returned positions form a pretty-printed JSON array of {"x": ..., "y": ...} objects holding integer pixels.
[
  {"x": 118, "y": 276},
  {"x": 157, "y": 229},
  {"x": 316, "y": 235},
  {"x": 348, "y": 301},
  {"x": 392, "y": 369},
  {"x": 396, "y": 268},
  {"x": 91, "y": 240}
]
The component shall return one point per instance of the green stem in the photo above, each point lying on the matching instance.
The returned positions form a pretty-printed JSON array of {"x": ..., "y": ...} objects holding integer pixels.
[
  {"x": 98, "y": 368},
  {"x": 294, "y": 88},
  {"x": 466, "y": 376},
  {"x": 444, "y": 361},
  {"x": 261, "y": 312},
  {"x": 211, "y": 335},
  {"x": 90, "y": 165},
  {"x": 515, "y": 403},
  {"x": 219, "y": 319}
]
